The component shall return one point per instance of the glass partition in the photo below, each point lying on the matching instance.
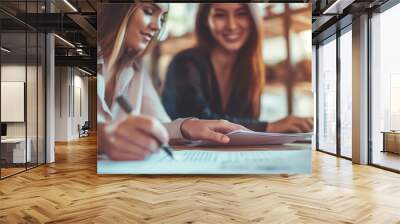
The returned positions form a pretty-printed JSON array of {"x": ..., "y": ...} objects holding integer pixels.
[
  {"x": 14, "y": 151},
  {"x": 22, "y": 77}
]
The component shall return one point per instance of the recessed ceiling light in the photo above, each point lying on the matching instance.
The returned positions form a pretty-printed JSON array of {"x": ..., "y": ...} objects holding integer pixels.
[
  {"x": 5, "y": 50},
  {"x": 84, "y": 71},
  {"x": 64, "y": 40},
  {"x": 70, "y": 5},
  {"x": 337, "y": 7}
]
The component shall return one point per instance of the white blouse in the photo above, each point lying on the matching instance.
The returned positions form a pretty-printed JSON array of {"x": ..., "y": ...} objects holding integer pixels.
[{"x": 139, "y": 90}]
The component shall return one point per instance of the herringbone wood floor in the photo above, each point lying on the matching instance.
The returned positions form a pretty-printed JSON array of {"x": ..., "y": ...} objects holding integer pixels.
[{"x": 70, "y": 191}]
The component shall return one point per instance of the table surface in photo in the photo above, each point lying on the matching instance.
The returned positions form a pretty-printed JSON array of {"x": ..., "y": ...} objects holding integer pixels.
[{"x": 271, "y": 159}]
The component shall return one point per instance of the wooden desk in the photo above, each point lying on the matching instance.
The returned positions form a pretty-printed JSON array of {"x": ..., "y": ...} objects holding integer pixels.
[{"x": 391, "y": 141}]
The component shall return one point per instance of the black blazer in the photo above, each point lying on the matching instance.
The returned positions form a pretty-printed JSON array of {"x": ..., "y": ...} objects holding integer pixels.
[{"x": 191, "y": 90}]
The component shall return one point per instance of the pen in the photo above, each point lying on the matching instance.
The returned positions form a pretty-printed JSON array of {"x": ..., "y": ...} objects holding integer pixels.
[{"x": 121, "y": 100}]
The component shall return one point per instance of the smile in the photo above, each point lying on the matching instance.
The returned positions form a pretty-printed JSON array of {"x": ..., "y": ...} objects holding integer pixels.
[
  {"x": 232, "y": 36},
  {"x": 146, "y": 36}
]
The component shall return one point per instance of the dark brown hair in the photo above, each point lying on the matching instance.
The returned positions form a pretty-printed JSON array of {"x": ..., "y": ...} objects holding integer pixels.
[{"x": 248, "y": 69}]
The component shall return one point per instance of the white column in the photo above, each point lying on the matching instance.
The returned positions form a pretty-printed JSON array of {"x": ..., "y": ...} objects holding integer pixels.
[
  {"x": 50, "y": 100},
  {"x": 314, "y": 91},
  {"x": 360, "y": 90},
  {"x": 50, "y": 92}
]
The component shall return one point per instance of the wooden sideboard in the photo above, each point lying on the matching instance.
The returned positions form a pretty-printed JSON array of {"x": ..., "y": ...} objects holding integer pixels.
[{"x": 391, "y": 141}]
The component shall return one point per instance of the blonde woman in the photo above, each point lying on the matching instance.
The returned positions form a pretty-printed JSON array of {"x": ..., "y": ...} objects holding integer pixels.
[{"x": 126, "y": 32}]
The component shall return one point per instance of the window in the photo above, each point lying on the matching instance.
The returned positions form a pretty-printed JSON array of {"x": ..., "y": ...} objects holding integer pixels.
[
  {"x": 385, "y": 88},
  {"x": 327, "y": 96},
  {"x": 346, "y": 94}
]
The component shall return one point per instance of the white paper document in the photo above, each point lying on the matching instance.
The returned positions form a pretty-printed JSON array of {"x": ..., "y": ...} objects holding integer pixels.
[
  {"x": 250, "y": 138},
  {"x": 272, "y": 159}
]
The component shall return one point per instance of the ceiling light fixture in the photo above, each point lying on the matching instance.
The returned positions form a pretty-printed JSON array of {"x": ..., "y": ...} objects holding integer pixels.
[
  {"x": 84, "y": 71},
  {"x": 70, "y": 5},
  {"x": 337, "y": 7},
  {"x": 65, "y": 41},
  {"x": 5, "y": 50}
]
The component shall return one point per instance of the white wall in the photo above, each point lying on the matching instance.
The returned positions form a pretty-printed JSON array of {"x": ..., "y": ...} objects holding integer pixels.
[
  {"x": 16, "y": 73},
  {"x": 71, "y": 94},
  {"x": 33, "y": 127},
  {"x": 61, "y": 103},
  {"x": 81, "y": 100}
]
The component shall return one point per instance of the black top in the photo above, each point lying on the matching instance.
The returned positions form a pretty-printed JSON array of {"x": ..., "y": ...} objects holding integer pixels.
[{"x": 191, "y": 90}]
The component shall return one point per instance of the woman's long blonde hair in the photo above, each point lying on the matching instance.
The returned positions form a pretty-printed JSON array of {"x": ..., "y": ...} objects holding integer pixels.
[{"x": 113, "y": 20}]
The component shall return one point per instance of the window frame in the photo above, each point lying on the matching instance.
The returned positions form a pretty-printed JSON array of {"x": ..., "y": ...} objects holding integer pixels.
[
  {"x": 333, "y": 37},
  {"x": 379, "y": 10}
]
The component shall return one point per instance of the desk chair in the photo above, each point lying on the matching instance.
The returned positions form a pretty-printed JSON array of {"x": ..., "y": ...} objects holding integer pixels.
[{"x": 84, "y": 130}]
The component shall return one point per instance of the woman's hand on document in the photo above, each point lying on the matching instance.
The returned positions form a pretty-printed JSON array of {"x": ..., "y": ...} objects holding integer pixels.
[
  {"x": 133, "y": 137},
  {"x": 208, "y": 130},
  {"x": 291, "y": 124}
]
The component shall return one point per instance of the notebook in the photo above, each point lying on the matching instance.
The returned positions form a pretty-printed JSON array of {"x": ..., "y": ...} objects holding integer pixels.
[{"x": 251, "y": 138}]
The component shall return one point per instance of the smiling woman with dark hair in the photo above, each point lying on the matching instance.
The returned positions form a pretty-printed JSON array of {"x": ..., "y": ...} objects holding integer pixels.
[{"x": 223, "y": 76}]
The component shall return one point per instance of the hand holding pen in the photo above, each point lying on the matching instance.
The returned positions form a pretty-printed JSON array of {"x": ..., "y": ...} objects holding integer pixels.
[
  {"x": 131, "y": 137},
  {"x": 124, "y": 104}
]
